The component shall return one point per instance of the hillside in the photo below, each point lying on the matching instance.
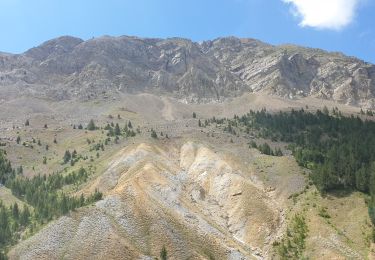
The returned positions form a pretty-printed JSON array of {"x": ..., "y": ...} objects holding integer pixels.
[{"x": 202, "y": 188}]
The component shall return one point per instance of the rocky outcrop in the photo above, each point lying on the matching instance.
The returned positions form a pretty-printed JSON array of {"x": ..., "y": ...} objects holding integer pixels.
[
  {"x": 291, "y": 71},
  {"x": 69, "y": 67}
]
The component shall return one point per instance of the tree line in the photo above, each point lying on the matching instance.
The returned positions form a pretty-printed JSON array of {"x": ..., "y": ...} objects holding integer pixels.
[{"x": 339, "y": 150}]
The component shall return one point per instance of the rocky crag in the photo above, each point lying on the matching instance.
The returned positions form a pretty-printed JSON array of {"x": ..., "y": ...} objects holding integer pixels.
[{"x": 70, "y": 68}]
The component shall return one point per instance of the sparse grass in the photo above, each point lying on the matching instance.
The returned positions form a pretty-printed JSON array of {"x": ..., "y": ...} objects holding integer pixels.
[
  {"x": 275, "y": 171},
  {"x": 323, "y": 213}
]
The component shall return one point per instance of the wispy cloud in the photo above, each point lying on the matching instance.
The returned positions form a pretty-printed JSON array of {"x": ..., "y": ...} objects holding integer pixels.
[{"x": 324, "y": 14}]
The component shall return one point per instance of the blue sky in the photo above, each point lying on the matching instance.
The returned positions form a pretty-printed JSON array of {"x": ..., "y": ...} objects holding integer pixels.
[{"x": 347, "y": 26}]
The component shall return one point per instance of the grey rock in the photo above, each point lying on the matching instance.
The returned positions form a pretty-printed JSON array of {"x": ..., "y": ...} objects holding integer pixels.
[{"x": 70, "y": 68}]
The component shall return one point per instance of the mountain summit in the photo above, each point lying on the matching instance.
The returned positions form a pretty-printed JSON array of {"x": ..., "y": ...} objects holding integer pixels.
[{"x": 70, "y": 68}]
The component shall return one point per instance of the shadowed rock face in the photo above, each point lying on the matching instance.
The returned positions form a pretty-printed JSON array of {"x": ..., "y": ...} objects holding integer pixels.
[{"x": 69, "y": 67}]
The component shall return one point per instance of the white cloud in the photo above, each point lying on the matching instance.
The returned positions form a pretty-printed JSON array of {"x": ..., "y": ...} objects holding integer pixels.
[{"x": 324, "y": 14}]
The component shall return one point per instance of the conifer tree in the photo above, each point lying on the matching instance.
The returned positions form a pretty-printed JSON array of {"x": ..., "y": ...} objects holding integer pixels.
[
  {"x": 163, "y": 254},
  {"x": 91, "y": 125},
  {"x": 67, "y": 156},
  {"x": 117, "y": 130},
  {"x": 153, "y": 134}
]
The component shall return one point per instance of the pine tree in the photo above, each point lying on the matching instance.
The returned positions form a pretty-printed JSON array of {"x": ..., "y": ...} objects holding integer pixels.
[
  {"x": 64, "y": 207},
  {"x": 163, "y": 254},
  {"x": 253, "y": 144},
  {"x": 91, "y": 125},
  {"x": 67, "y": 156},
  {"x": 117, "y": 130},
  {"x": 25, "y": 216},
  {"x": 153, "y": 134},
  {"x": 278, "y": 152},
  {"x": 15, "y": 211}
]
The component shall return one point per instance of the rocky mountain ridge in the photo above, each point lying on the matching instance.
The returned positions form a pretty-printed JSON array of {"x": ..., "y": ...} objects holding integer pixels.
[{"x": 69, "y": 68}]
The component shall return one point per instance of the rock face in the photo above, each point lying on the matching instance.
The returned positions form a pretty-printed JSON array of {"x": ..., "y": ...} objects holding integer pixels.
[{"x": 68, "y": 67}]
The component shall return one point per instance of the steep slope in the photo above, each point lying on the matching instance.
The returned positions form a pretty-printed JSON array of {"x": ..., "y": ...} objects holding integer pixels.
[
  {"x": 68, "y": 67},
  {"x": 291, "y": 71},
  {"x": 203, "y": 205},
  {"x": 200, "y": 203}
]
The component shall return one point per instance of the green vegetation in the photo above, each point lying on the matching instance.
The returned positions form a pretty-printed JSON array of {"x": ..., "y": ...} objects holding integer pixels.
[
  {"x": 266, "y": 149},
  {"x": 91, "y": 126},
  {"x": 67, "y": 156},
  {"x": 339, "y": 150},
  {"x": 323, "y": 213},
  {"x": 13, "y": 221},
  {"x": 292, "y": 246},
  {"x": 163, "y": 254},
  {"x": 43, "y": 193},
  {"x": 154, "y": 134},
  {"x": 230, "y": 128},
  {"x": 71, "y": 157},
  {"x": 367, "y": 113},
  {"x": 115, "y": 130}
]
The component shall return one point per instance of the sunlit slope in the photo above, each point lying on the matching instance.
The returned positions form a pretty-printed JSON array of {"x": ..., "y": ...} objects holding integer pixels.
[{"x": 189, "y": 200}]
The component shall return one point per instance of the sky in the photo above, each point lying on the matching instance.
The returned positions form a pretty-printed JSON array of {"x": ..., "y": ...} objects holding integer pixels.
[{"x": 347, "y": 26}]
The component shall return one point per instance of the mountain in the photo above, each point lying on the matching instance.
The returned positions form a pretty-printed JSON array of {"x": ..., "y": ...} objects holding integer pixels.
[
  {"x": 70, "y": 68},
  {"x": 125, "y": 148}
]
